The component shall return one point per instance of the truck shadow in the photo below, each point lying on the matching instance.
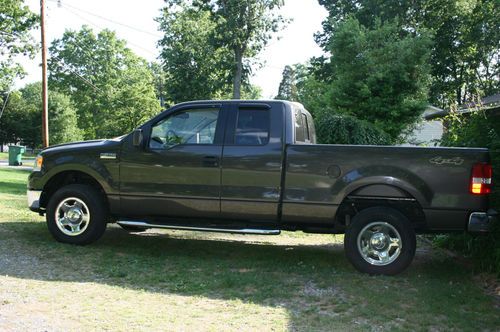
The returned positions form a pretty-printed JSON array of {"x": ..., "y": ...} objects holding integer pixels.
[{"x": 312, "y": 282}]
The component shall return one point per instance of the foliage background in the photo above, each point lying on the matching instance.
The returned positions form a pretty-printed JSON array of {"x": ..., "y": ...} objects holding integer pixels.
[
  {"x": 479, "y": 129},
  {"x": 333, "y": 128},
  {"x": 113, "y": 89},
  {"x": 21, "y": 121}
]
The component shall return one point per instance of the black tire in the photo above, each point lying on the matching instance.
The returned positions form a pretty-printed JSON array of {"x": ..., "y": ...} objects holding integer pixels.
[
  {"x": 94, "y": 203},
  {"x": 132, "y": 229},
  {"x": 380, "y": 216}
]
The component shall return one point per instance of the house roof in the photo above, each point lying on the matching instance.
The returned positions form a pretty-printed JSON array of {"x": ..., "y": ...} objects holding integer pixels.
[{"x": 489, "y": 103}]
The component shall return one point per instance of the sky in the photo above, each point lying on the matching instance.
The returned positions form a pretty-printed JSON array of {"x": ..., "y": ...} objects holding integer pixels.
[{"x": 134, "y": 22}]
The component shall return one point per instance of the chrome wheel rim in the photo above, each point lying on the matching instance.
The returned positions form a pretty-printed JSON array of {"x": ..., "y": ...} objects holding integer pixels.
[
  {"x": 72, "y": 216},
  {"x": 379, "y": 243}
]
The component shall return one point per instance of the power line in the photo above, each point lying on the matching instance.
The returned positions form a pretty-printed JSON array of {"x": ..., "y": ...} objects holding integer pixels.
[
  {"x": 101, "y": 28},
  {"x": 65, "y": 67},
  {"x": 110, "y": 20},
  {"x": 89, "y": 53},
  {"x": 107, "y": 94}
]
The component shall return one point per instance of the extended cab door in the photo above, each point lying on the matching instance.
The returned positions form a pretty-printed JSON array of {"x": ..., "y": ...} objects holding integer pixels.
[
  {"x": 177, "y": 172},
  {"x": 252, "y": 161}
]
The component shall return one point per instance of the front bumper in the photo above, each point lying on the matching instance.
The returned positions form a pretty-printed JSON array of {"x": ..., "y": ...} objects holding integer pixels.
[
  {"x": 34, "y": 199},
  {"x": 480, "y": 222}
]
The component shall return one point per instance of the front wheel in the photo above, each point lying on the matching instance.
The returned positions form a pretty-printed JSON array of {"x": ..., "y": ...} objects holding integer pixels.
[
  {"x": 380, "y": 240},
  {"x": 76, "y": 214}
]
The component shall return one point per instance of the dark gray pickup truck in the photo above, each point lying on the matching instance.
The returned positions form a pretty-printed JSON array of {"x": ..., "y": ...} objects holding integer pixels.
[{"x": 253, "y": 167}]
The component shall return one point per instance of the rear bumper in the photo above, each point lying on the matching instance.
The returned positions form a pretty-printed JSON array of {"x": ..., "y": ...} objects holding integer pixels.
[
  {"x": 480, "y": 222},
  {"x": 34, "y": 199}
]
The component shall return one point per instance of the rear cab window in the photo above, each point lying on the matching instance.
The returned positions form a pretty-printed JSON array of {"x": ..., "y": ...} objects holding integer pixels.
[
  {"x": 252, "y": 127},
  {"x": 304, "y": 127}
]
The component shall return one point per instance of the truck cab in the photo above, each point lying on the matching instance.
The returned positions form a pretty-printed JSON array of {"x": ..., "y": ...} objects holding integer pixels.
[{"x": 211, "y": 160}]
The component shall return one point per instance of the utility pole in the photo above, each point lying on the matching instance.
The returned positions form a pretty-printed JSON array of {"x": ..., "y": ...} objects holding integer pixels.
[{"x": 45, "y": 100}]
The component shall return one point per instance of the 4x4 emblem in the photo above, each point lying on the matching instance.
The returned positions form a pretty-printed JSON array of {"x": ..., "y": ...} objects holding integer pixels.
[{"x": 451, "y": 161}]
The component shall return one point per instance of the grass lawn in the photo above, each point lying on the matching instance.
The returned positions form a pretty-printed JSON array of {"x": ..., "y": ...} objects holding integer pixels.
[{"x": 173, "y": 280}]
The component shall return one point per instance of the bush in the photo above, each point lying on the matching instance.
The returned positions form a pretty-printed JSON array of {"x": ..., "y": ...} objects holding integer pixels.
[
  {"x": 333, "y": 128},
  {"x": 477, "y": 130}
]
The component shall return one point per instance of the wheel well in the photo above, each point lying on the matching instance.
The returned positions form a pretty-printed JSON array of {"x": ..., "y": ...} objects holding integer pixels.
[
  {"x": 352, "y": 205},
  {"x": 64, "y": 178}
]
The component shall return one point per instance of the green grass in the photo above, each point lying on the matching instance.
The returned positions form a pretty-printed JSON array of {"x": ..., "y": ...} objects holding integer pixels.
[
  {"x": 26, "y": 158},
  {"x": 172, "y": 280}
]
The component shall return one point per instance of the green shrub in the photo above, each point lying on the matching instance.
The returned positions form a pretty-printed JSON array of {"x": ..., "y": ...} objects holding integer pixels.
[
  {"x": 477, "y": 130},
  {"x": 333, "y": 128}
]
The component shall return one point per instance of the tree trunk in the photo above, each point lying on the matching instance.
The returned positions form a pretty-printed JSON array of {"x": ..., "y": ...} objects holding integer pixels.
[{"x": 238, "y": 73}]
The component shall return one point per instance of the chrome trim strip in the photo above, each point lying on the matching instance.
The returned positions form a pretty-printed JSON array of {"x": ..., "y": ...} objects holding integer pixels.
[
  {"x": 383, "y": 198},
  {"x": 205, "y": 229},
  {"x": 107, "y": 155}
]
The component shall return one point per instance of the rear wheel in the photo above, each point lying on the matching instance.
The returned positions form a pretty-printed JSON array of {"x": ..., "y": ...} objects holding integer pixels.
[
  {"x": 380, "y": 240},
  {"x": 76, "y": 214}
]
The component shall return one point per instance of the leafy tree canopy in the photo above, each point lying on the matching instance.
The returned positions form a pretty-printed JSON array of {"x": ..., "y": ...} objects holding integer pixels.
[
  {"x": 377, "y": 75},
  {"x": 465, "y": 48},
  {"x": 194, "y": 67},
  {"x": 112, "y": 88},
  {"x": 222, "y": 37},
  {"x": 244, "y": 27}
]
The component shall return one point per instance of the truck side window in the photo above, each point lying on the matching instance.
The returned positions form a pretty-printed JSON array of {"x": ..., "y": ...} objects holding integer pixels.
[
  {"x": 307, "y": 136},
  {"x": 299, "y": 127},
  {"x": 252, "y": 127},
  {"x": 194, "y": 126}
]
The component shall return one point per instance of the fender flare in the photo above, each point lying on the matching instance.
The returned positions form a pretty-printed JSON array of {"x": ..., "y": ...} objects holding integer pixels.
[
  {"x": 100, "y": 178},
  {"x": 422, "y": 196}
]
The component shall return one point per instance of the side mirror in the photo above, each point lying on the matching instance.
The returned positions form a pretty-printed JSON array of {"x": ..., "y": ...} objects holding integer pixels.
[{"x": 137, "y": 137}]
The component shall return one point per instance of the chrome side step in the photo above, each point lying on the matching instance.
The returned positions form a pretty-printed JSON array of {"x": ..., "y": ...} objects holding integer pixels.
[{"x": 204, "y": 229}]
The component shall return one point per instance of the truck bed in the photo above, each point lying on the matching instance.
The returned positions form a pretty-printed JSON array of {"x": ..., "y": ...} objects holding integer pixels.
[{"x": 320, "y": 177}]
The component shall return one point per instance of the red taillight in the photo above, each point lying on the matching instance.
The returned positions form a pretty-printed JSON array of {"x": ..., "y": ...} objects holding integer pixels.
[{"x": 480, "y": 182}]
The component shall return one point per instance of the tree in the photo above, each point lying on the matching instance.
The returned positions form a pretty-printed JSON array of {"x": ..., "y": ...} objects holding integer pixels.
[
  {"x": 465, "y": 49},
  {"x": 111, "y": 87},
  {"x": 16, "y": 23},
  {"x": 379, "y": 76},
  {"x": 288, "y": 89},
  {"x": 249, "y": 91},
  {"x": 208, "y": 46},
  {"x": 22, "y": 118},
  {"x": 466, "y": 53},
  {"x": 244, "y": 27},
  {"x": 312, "y": 92},
  {"x": 193, "y": 66}
]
